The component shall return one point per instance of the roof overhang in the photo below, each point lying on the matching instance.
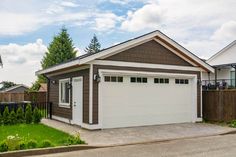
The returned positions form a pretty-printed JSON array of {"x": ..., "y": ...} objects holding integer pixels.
[{"x": 129, "y": 44}]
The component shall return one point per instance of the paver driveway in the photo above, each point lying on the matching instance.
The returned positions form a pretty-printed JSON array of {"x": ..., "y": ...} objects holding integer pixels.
[{"x": 125, "y": 136}]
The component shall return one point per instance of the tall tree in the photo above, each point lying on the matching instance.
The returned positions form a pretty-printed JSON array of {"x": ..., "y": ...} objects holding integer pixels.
[
  {"x": 6, "y": 84},
  {"x": 60, "y": 50},
  {"x": 94, "y": 45}
]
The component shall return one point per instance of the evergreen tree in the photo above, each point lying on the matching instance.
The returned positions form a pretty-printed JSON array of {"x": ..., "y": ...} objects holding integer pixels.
[
  {"x": 94, "y": 45},
  {"x": 28, "y": 114},
  {"x": 60, "y": 50},
  {"x": 12, "y": 117},
  {"x": 20, "y": 115},
  {"x": 5, "y": 116}
]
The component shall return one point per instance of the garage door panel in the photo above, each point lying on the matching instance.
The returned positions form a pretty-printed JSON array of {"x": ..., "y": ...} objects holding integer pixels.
[{"x": 136, "y": 104}]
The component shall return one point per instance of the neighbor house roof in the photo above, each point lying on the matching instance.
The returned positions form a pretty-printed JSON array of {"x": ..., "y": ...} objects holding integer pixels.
[
  {"x": 14, "y": 87},
  {"x": 43, "y": 87},
  {"x": 125, "y": 45},
  {"x": 226, "y": 60}
]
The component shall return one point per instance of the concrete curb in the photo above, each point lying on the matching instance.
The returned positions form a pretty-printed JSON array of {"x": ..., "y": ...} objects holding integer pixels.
[
  {"x": 169, "y": 139},
  {"x": 41, "y": 151}
]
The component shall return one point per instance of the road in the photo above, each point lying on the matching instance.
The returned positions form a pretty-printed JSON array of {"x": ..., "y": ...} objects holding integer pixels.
[{"x": 214, "y": 146}]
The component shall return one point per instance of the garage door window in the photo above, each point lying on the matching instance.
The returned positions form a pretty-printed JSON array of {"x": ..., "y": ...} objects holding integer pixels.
[
  {"x": 161, "y": 80},
  {"x": 113, "y": 79},
  {"x": 181, "y": 81},
  {"x": 138, "y": 80}
]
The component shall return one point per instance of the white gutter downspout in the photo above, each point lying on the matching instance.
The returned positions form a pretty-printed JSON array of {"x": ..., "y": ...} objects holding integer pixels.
[{"x": 91, "y": 94}]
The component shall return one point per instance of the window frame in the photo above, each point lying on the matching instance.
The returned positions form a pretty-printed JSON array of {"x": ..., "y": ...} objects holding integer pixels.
[
  {"x": 62, "y": 104},
  {"x": 117, "y": 79},
  {"x": 181, "y": 81}
]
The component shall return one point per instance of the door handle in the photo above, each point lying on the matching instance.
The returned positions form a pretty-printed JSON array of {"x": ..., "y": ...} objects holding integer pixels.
[{"x": 74, "y": 103}]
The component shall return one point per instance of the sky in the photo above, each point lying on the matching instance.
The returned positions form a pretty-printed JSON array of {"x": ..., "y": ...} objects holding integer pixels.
[{"x": 28, "y": 26}]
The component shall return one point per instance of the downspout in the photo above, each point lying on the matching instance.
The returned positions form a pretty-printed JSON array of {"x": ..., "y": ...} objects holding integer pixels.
[
  {"x": 216, "y": 77},
  {"x": 234, "y": 66}
]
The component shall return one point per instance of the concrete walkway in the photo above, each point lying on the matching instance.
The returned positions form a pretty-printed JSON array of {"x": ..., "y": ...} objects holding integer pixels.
[{"x": 134, "y": 135}]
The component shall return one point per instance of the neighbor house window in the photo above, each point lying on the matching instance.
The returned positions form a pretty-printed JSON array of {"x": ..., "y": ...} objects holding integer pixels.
[
  {"x": 113, "y": 78},
  {"x": 138, "y": 80},
  {"x": 161, "y": 80},
  {"x": 64, "y": 92},
  {"x": 181, "y": 81}
]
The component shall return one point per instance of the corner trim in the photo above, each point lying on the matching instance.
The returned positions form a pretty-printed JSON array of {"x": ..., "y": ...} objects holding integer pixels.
[{"x": 91, "y": 94}]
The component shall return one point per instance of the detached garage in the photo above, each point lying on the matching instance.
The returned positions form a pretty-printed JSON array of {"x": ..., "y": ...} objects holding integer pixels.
[{"x": 149, "y": 80}]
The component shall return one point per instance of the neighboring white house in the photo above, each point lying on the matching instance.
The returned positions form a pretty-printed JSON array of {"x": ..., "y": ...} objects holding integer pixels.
[{"x": 224, "y": 63}]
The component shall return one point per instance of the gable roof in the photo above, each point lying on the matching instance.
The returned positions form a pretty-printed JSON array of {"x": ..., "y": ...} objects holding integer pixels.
[
  {"x": 155, "y": 35},
  {"x": 221, "y": 51},
  {"x": 14, "y": 87}
]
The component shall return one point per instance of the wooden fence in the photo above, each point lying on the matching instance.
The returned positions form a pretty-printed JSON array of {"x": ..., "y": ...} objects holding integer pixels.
[
  {"x": 219, "y": 105},
  {"x": 19, "y": 97}
]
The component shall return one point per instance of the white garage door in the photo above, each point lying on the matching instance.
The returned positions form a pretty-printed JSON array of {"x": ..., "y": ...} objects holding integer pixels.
[{"x": 145, "y": 100}]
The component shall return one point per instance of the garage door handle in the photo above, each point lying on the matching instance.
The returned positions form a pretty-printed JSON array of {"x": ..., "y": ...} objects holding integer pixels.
[{"x": 74, "y": 103}]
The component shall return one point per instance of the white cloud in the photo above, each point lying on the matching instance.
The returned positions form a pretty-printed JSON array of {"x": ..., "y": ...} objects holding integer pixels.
[
  {"x": 21, "y": 61},
  {"x": 106, "y": 21},
  {"x": 69, "y": 4},
  {"x": 19, "y": 23},
  {"x": 149, "y": 16},
  {"x": 226, "y": 32}
]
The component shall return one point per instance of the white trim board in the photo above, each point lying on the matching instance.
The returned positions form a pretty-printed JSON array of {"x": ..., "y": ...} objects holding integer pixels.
[{"x": 145, "y": 65}]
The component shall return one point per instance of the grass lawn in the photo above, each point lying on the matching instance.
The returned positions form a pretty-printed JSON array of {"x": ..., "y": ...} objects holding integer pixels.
[{"x": 38, "y": 132}]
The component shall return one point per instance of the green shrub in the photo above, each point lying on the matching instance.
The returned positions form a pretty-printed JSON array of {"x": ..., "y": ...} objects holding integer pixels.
[
  {"x": 0, "y": 118},
  {"x": 5, "y": 116},
  {"x": 28, "y": 114},
  {"x": 20, "y": 115},
  {"x": 3, "y": 146},
  {"x": 75, "y": 140},
  {"x": 12, "y": 117},
  {"x": 46, "y": 143},
  {"x": 32, "y": 144},
  {"x": 233, "y": 124},
  {"x": 36, "y": 115},
  {"x": 22, "y": 145},
  {"x": 13, "y": 142}
]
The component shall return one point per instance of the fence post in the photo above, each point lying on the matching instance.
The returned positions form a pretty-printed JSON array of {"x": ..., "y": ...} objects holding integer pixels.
[{"x": 50, "y": 110}]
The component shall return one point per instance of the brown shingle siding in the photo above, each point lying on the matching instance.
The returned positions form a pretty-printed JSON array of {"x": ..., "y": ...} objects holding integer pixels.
[
  {"x": 150, "y": 52},
  {"x": 54, "y": 95}
]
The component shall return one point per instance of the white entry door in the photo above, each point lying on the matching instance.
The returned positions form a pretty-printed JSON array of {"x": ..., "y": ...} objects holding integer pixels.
[{"x": 77, "y": 100}]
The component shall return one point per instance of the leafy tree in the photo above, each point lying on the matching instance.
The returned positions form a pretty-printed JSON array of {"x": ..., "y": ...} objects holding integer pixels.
[
  {"x": 6, "y": 84},
  {"x": 28, "y": 114},
  {"x": 94, "y": 45},
  {"x": 5, "y": 116},
  {"x": 60, "y": 50}
]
